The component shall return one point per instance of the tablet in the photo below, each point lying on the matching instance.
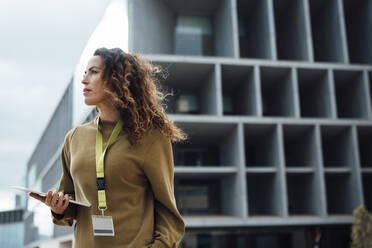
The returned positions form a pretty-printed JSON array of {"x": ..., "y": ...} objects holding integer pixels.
[{"x": 44, "y": 194}]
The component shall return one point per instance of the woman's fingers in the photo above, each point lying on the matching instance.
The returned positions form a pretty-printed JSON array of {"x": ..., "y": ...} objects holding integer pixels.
[
  {"x": 54, "y": 198},
  {"x": 57, "y": 201},
  {"x": 67, "y": 200},
  {"x": 48, "y": 198},
  {"x": 61, "y": 203},
  {"x": 60, "y": 200}
]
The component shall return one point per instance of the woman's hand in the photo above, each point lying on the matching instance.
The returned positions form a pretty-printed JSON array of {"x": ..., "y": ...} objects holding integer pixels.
[{"x": 56, "y": 201}]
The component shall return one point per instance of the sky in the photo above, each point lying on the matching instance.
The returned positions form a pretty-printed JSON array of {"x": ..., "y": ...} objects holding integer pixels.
[{"x": 40, "y": 44}]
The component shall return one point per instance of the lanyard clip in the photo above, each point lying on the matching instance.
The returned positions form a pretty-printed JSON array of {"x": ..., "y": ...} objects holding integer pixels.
[
  {"x": 100, "y": 183},
  {"x": 102, "y": 210}
]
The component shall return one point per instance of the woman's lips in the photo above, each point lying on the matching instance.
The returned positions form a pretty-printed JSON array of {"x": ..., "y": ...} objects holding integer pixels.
[{"x": 86, "y": 90}]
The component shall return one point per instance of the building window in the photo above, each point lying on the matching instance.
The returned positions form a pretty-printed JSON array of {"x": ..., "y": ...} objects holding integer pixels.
[
  {"x": 194, "y": 36},
  {"x": 196, "y": 156},
  {"x": 198, "y": 196},
  {"x": 239, "y": 240}
]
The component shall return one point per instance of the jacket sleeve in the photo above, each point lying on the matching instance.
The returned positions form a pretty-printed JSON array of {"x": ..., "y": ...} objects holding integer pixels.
[
  {"x": 66, "y": 184},
  {"x": 159, "y": 169}
]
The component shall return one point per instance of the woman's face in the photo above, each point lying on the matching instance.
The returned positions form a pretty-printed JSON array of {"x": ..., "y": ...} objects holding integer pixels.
[{"x": 94, "y": 90}]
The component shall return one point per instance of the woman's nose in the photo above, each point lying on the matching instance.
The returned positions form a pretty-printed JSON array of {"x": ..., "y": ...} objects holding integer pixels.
[{"x": 84, "y": 80}]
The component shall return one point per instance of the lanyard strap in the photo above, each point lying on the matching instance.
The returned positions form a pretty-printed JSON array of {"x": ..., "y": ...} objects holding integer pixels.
[{"x": 100, "y": 168}]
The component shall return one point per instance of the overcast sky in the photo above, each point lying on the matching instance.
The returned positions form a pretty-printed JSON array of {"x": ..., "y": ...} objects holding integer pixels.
[{"x": 40, "y": 44}]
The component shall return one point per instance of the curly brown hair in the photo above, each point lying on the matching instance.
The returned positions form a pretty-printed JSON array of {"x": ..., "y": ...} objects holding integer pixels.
[{"x": 134, "y": 85}]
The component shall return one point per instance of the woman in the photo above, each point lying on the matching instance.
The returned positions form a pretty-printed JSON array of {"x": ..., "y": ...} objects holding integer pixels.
[{"x": 136, "y": 169}]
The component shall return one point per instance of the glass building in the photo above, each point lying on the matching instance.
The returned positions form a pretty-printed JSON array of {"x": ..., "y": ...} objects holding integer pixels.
[
  {"x": 276, "y": 98},
  {"x": 12, "y": 228}
]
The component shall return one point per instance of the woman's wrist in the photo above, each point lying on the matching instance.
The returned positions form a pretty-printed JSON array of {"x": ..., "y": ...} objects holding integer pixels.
[{"x": 57, "y": 216}]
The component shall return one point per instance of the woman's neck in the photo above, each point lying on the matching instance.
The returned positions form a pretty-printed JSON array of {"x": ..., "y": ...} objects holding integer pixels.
[{"x": 108, "y": 113}]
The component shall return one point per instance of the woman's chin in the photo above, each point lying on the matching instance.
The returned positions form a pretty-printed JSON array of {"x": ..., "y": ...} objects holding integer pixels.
[{"x": 89, "y": 102}]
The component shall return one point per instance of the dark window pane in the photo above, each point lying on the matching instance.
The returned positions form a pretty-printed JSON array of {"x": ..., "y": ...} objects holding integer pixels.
[
  {"x": 196, "y": 156},
  {"x": 198, "y": 196},
  {"x": 194, "y": 36}
]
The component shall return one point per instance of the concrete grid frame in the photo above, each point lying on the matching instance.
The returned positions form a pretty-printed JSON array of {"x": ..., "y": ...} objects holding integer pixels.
[{"x": 278, "y": 113}]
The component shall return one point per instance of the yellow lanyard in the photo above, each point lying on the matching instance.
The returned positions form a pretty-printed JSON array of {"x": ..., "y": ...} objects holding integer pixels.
[{"x": 100, "y": 168}]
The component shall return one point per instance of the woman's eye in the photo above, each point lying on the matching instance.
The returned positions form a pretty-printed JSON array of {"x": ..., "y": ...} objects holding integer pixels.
[{"x": 94, "y": 71}]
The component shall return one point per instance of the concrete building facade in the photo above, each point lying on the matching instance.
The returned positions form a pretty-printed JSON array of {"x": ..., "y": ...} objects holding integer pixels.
[{"x": 276, "y": 98}]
